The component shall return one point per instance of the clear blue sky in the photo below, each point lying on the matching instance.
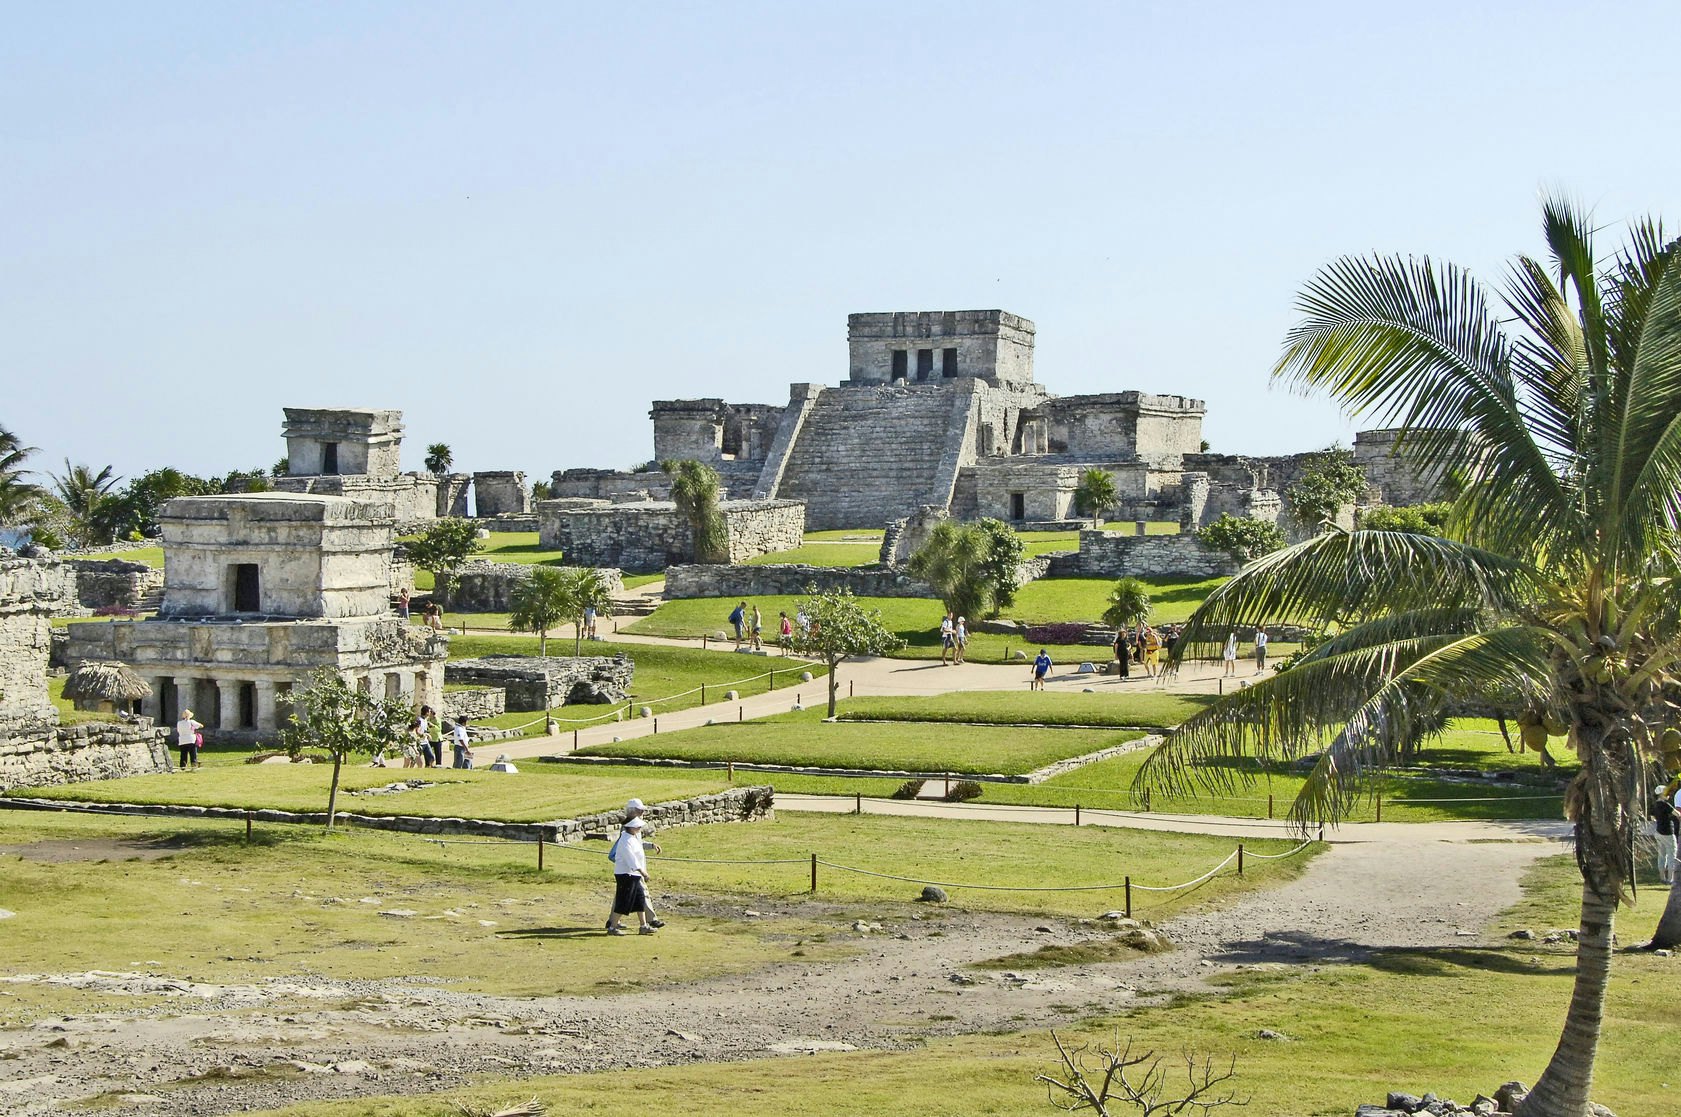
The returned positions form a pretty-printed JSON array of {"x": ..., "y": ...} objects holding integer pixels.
[{"x": 520, "y": 223}]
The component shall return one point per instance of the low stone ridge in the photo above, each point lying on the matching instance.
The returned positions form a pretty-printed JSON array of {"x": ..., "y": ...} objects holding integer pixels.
[
  {"x": 649, "y": 536},
  {"x": 475, "y": 702},
  {"x": 737, "y": 804},
  {"x": 114, "y": 583},
  {"x": 789, "y": 579},
  {"x": 1110, "y": 555},
  {"x": 92, "y": 751},
  {"x": 1505, "y": 1100},
  {"x": 538, "y": 683},
  {"x": 488, "y": 587}
]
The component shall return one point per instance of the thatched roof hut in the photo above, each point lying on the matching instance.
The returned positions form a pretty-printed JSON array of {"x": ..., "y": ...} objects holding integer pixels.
[{"x": 105, "y": 686}]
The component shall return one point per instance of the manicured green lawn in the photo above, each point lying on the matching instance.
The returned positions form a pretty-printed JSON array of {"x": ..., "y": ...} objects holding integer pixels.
[
  {"x": 538, "y": 793},
  {"x": 1002, "y": 707},
  {"x": 824, "y": 554},
  {"x": 846, "y": 535},
  {"x": 151, "y": 556},
  {"x": 1417, "y": 794},
  {"x": 1342, "y": 1023},
  {"x": 1084, "y": 599},
  {"x": 803, "y": 738}
]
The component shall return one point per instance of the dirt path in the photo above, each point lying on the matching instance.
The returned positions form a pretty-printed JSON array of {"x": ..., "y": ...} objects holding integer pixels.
[{"x": 308, "y": 1038}]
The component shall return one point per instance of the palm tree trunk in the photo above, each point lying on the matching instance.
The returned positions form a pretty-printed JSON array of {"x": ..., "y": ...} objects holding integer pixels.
[
  {"x": 333, "y": 792},
  {"x": 1564, "y": 1086},
  {"x": 1668, "y": 934},
  {"x": 834, "y": 685}
]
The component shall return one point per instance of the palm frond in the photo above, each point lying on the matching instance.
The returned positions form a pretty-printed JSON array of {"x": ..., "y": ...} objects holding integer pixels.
[
  {"x": 1645, "y": 474},
  {"x": 1343, "y": 578}
]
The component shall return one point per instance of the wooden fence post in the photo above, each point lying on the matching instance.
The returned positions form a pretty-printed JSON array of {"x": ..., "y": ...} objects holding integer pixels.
[
  {"x": 1240, "y": 859},
  {"x": 1129, "y": 898},
  {"x": 814, "y": 874},
  {"x": 539, "y": 851}
]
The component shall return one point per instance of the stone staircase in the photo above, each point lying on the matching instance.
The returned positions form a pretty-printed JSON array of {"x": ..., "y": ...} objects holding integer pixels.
[{"x": 868, "y": 454}]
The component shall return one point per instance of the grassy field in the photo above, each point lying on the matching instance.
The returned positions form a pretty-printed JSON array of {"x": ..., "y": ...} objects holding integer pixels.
[
  {"x": 846, "y": 535},
  {"x": 1009, "y": 707},
  {"x": 1084, "y": 599},
  {"x": 151, "y": 556},
  {"x": 1422, "y": 793},
  {"x": 824, "y": 554},
  {"x": 804, "y": 738},
  {"x": 539, "y": 793},
  {"x": 1342, "y": 1023}
]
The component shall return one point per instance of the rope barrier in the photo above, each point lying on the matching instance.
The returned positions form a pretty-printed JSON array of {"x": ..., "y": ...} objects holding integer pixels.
[
  {"x": 1230, "y": 857},
  {"x": 983, "y": 887}
]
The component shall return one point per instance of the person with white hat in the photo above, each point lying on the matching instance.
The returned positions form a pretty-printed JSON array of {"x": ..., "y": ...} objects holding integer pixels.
[
  {"x": 187, "y": 734},
  {"x": 630, "y": 873}
]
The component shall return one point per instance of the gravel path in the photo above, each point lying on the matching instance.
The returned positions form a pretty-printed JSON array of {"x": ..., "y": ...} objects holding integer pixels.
[{"x": 213, "y": 1050}]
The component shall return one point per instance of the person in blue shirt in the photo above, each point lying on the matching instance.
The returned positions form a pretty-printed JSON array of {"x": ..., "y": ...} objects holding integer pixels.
[{"x": 1041, "y": 670}]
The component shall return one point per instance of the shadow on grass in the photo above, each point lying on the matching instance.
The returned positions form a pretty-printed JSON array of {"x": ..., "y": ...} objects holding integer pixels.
[
  {"x": 1429, "y": 962},
  {"x": 556, "y": 933}
]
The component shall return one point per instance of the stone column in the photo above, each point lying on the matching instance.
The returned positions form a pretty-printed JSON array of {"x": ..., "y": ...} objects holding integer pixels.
[
  {"x": 152, "y": 705},
  {"x": 265, "y": 705},
  {"x": 227, "y": 703}
]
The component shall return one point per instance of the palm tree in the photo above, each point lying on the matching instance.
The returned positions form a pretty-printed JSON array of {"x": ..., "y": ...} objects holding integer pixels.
[
  {"x": 1562, "y": 408},
  {"x": 540, "y": 603},
  {"x": 954, "y": 562},
  {"x": 1096, "y": 493},
  {"x": 17, "y": 496},
  {"x": 694, "y": 489},
  {"x": 87, "y": 501},
  {"x": 1129, "y": 603},
  {"x": 587, "y": 589},
  {"x": 439, "y": 458}
]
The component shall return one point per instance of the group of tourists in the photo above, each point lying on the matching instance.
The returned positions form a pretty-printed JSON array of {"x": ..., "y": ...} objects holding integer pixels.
[
  {"x": 630, "y": 874},
  {"x": 1665, "y": 813},
  {"x": 954, "y": 639},
  {"x": 424, "y": 746},
  {"x": 749, "y": 625},
  {"x": 1146, "y": 646}
]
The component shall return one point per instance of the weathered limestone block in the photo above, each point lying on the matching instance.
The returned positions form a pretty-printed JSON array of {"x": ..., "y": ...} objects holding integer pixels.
[
  {"x": 1108, "y": 555},
  {"x": 113, "y": 583},
  {"x": 649, "y": 536},
  {"x": 73, "y": 754},
  {"x": 536, "y": 683},
  {"x": 488, "y": 587},
  {"x": 500, "y": 493},
  {"x": 788, "y": 579},
  {"x": 474, "y": 702}
]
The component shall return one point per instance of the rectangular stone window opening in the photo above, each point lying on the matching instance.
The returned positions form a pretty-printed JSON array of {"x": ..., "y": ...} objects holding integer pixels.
[
  {"x": 247, "y": 588},
  {"x": 948, "y": 363},
  {"x": 900, "y": 361},
  {"x": 1018, "y": 506},
  {"x": 329, "y": 457},
  {"x": 924, "y": 364},
  {"x": 247, "y": 705}
]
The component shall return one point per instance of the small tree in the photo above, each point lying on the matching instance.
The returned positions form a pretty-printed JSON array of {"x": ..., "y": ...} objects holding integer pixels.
[
  {"x": 439, "y": 458},
  {"x": 1002, "y": 562},
  {"x": 19, "y": 499},
  {"x": 954, "y": 562},
  {"x": 587, "y": 589},
  {"x": 539, "y": 603},
  {"x": 1242, "y": 538},
  {"x": 442, "y": 548},
  {"x": 332, "y": 715},
  {"x": 1096, "y": 493},
  {"x": 838, "y": 628},
  {"x": 541, "y": 490},
  {"x": 1110, "y": 1077},
  {"x": 89, "y": 505},
  {"x": 694, "y": 489},
  {"x": 1129, "y": 603},
  {"x": 1330, "y": 481},
  {"x": 1414, "y": 519},
  {"x": 281, "y": 468}
]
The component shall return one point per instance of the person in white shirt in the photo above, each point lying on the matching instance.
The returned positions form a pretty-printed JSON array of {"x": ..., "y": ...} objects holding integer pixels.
[
  {"x": 635, "y": 809},
  {"x": 1260, "y": 650},
  {"x": 463, "y": 748},
  {"x": 1229, "y": 655},
  {"x": 186, "y": 734},
  {"x": 948, "y": 638},
  {"x": 630, "y": 879}
]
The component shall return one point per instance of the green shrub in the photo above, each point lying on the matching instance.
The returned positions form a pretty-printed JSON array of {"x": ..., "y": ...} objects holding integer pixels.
[
  {"x": 963, "y": 790},
  {"x": 910, "y": 789},
  {"x": 1242, "y": 538}
]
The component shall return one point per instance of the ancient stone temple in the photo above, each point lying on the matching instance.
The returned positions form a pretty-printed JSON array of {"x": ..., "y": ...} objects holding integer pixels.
[
  {"x": 937, "y": 409},
  {"x": 34, "y": 748},
  {"x": 259, "y": 591},
  {"x": 357, "y": 453}
]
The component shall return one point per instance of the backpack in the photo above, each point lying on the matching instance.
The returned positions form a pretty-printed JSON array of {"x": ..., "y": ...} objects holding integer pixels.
[
  {"x": 736, "y": 615},
  {"x": 1662, "y": 814}
]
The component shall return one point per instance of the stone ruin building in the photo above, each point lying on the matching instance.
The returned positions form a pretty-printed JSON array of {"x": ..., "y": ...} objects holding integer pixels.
[
  {"x": 938, "y": 409},
  {"x": 34, "y": 748},
  {"x": 356, "y": 453},
  {"x": 259, "y": 591}
]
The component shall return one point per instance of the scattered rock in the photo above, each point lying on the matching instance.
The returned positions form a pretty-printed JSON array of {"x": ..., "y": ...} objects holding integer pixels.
[
  {"x": 932, "y": 894},
  {"x": 1087, "y": 668},
  {"x": 399, "y": 913},
  {"x": 684, "y": 1036},
  {"x": 1043, "y": 930},
  {"x": 1279, "y": 1037},
  {"x": 353, "y": 1066},
  {"x": 863, "y": 927},
  {"x": 805, "y": 676},
  {"x": 1525, "y": 933},
  {"x": 963, "y": 979},
  {"x": 1149, "y": 942},
  {"x": 732, "y": 695},
  {"x": 802, "y": 1045},
  {"x": 750, "y": 914},
  {"x": 6, "y": 913},
  {"x": 1088, "y": 690},
  {"x": 1018, "y": 654}
]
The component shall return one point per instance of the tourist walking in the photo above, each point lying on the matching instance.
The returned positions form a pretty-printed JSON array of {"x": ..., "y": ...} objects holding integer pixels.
[
  {"x": 434, "y": 617},
  {"x": 948, "y": 638},
  {"x": 962, "y": 639},
  {"x": 1123, "y": 651},
  {"x": 432, "y": 738},
  {"x": 738, "y": 618},
  {"x": 1152, "y": 651},
  {"x": 1260, "y": 649},
  {"x": 588, "y": 632},
  {"x": 784, "y": 632},
  {"x": 463, "y": 745},
  {"x": 189, "y": 735},
  {"x": 1041, "y": 670},
  {"x": 630, "y": 880},
  {"x": 1666, "y": 824},
  {"x": 635, "y": 809},
  {"x": 403, "y": 605},
  {"x": 1229, "y": 655},
  {"x": 758, "y": 630}
]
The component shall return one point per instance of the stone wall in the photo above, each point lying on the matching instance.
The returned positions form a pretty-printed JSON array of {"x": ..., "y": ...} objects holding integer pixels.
[
  {"x": 788, "y": 579},
  {"x": 114, "y": 583},
  {"x": 500, "y": 493},
  {"x": 30, "y": 594},
  {"x": 536, "y": 683},
  {"x": 650, "y": 536},
  {"x": 1395, "y": 480},
  {"x": 409, "y": 498},
  {"x": 488, "y": 587},
  {"x": 1106, "y": 555},
  {"x": 452, "y": 495},
  {"x": 91, "y": 751},
  {"x": 474, "y": 702}
]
